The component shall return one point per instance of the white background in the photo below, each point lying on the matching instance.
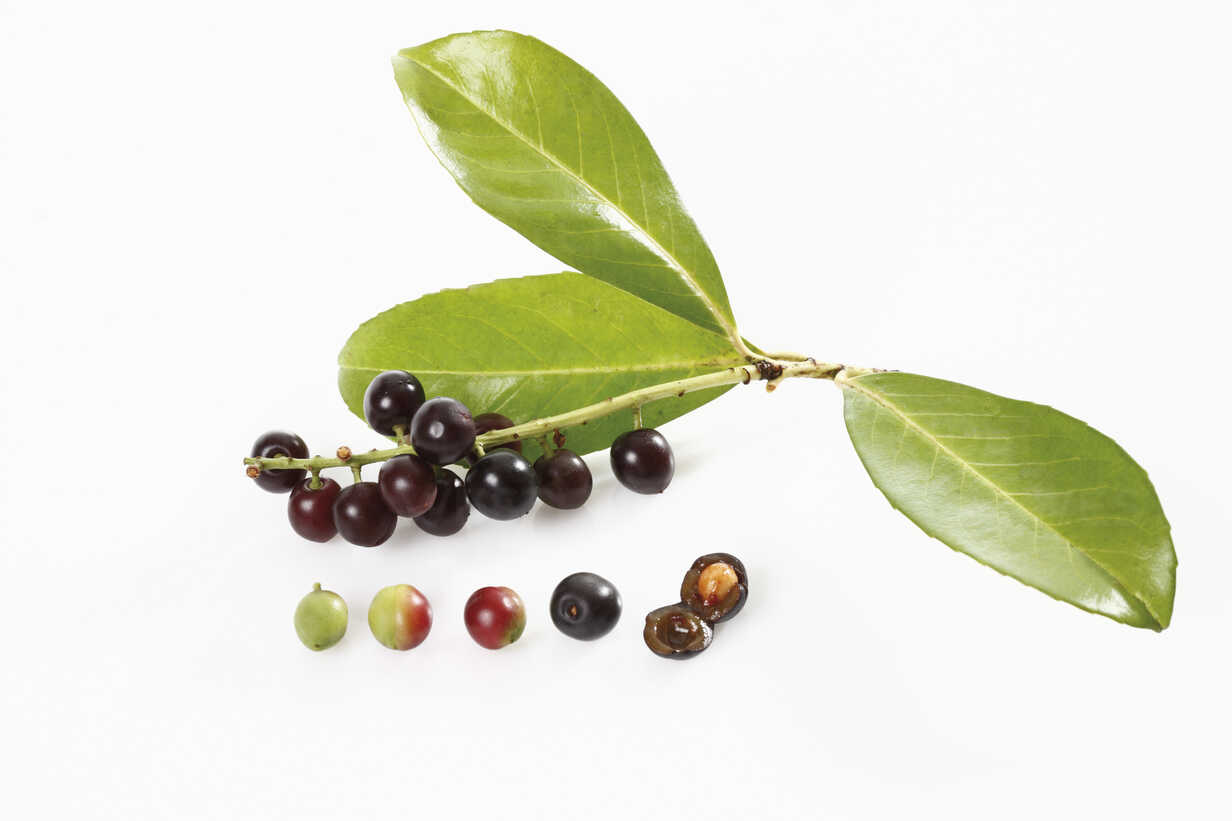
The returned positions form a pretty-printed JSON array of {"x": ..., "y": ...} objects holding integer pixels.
[{"x": 198, "y": 203}]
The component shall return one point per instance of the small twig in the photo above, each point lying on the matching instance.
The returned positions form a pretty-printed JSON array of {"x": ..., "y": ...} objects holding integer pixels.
[{"x": 770, "y": 371}]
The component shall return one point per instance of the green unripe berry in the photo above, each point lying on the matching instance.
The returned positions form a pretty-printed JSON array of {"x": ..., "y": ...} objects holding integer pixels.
[{"x": 320, "y": 618}]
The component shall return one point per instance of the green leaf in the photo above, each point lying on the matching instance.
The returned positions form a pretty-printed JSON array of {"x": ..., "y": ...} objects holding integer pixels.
[
  {"x": 538, "y": 346},
  {"x": 1022, "y": 488},
  {"x": 538, "y": 142}
]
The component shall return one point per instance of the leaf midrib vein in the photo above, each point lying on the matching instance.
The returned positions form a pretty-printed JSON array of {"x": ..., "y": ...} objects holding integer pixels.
[
  {"x": 656, "y": 366},
  {"x": 654, "y": 244}
]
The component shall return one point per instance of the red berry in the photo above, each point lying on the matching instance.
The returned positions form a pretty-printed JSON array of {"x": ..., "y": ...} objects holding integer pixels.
[{"x": 495, "y": 617}]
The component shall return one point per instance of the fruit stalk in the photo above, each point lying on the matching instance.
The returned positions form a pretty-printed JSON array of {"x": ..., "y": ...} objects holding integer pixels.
[{"x": 770, "y": 371}]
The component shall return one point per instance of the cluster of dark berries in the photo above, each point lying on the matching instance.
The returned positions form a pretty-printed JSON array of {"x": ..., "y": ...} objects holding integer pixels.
[
  {"x": 501, "y": 484},
  {"x": 714, "y": 590}
]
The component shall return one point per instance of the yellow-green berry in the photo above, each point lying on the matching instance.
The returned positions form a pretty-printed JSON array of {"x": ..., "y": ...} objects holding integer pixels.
[{"x": 320, "y": 618}]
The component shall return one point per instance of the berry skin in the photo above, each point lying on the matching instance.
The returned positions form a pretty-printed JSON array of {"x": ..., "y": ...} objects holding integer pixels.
[
  {"x": 715, "y": 587},
  {"x": 642, "y": 460},
  {"x": 585, "y": 606},
  {"x": 392, "y": 398},
  {"x": 361, "y": 515},
  {"x": 408, "y": 485},
  {"x": 399, "y": 617},
  {"x": 450, "y": 510},
  {"x": 276, "y": 443},
  {"x": 442, "y": 431},
  {"x": 564, "y": 480},
  {"x": 485, "y": 422},
  {"x": 311, "y": 510},
  {"x": 320, "y": 619},
  {"x": 676, "y": 632},
  {"x": 495, "y": 617},
  {"x": 502, "y": 485}
]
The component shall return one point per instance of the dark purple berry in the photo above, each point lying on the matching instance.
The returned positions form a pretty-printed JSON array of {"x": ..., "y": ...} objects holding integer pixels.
[
  {"x": 486, "y": 422},
  {"x": 564, "y": 480},
  {"x": 585, "y": 606},
  {"x": 361, "y": 515},
  {"x": 392, "y": 398},
  {"x": 450, "y": 510},
  {"x": 502, "y": 485},
  {"x": 442, "y": 431},
  {"x": 408, "y": 485},
  {"x": 642, "y": 460},
  {"x": 311, "y": 510},
  {"x": 273, "y": 444}
]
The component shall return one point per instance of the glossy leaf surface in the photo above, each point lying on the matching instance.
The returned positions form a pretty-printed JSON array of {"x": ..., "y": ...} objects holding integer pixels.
[
  {"x": 537, "y": 141},
  {"x": 538, "y": 346},
  {"x": 1022, "y": 488}
]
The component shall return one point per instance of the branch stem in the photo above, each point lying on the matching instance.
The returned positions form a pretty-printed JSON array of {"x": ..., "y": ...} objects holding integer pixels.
[{"x": 770, "y": 371}]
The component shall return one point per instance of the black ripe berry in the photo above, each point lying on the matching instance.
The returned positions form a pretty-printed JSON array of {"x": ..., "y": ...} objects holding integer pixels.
[
  {"x": 408, "y": 485},
  {"x": 450, "y": 510},
  {"x": 564, "y": 480},
  {"x": 392, "y": 398},
  {"x": 715, "y": 587},
  {"x": 311, "y": 510},
  {"x": 273, "y": 444},
  {"x": 502, "y": 485},
  {"x": 677, "y": 632},
  {"x": 485, "y": 422},
  {"x": 585, "y": 606},
  {"x": 361, "y": 515},
  {"x": 642, "y": 460},
  {"x": 443, "y": 431}
]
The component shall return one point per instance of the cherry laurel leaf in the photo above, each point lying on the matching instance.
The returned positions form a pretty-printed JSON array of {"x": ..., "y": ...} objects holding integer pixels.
[
  {"x": 537, "y": 346},
  {"x": 1022, "y": 488},
  {"x": 538, "y": 142}
]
